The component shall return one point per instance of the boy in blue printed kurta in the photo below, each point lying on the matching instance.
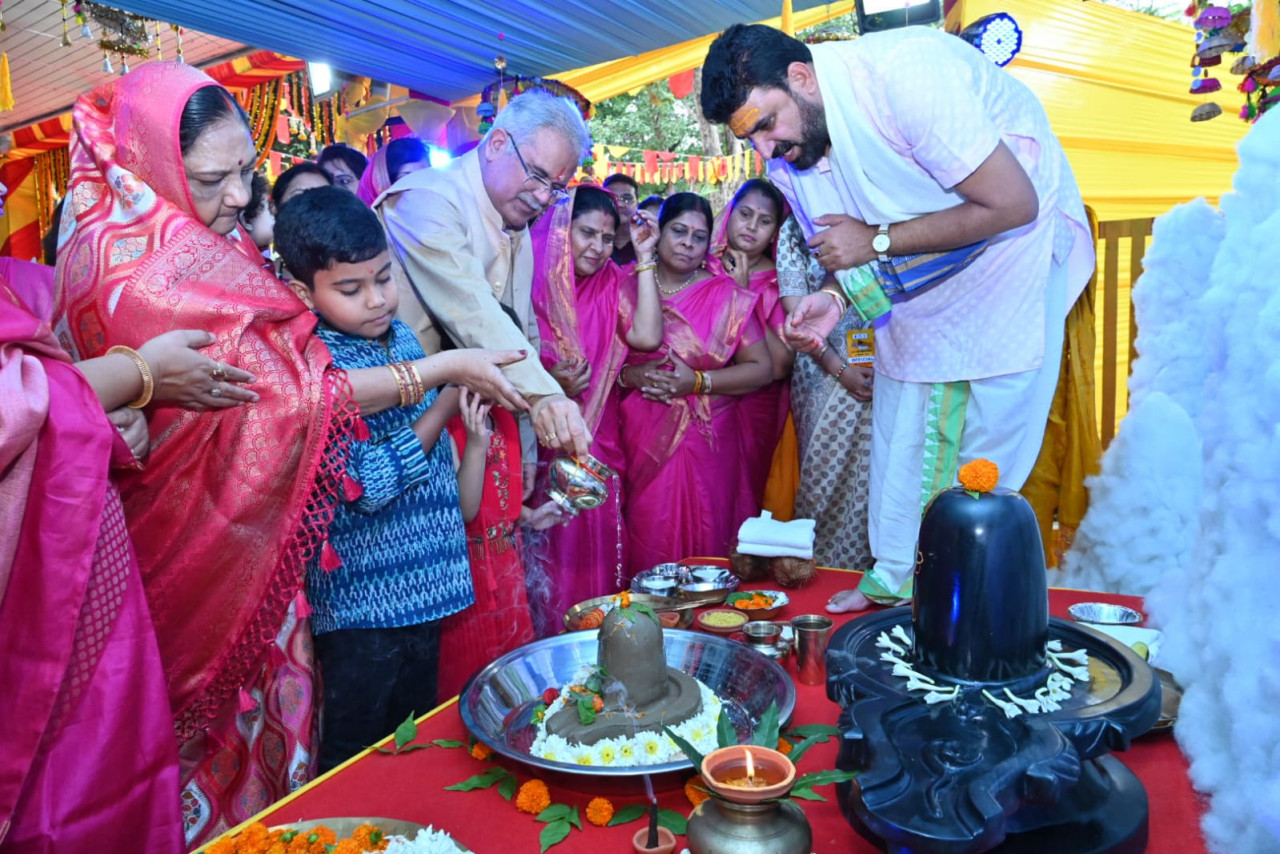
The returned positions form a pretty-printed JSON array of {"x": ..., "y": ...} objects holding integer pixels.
[{"x": 399, "y": 535}]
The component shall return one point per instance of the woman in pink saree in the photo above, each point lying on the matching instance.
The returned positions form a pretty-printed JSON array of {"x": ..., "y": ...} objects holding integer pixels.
[
  {"x": 87, "y": 757},
  {"x": 685, "y": 486},
  {"x": 744, "y": 246},
  {"x": 389, "y": 164},
  {"x": 233, "y": 505},
  {"x": 590, "y": 313}
]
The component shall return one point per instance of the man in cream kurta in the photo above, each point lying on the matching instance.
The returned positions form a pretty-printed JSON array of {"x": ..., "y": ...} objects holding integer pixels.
[
  {"x": 460, "y": 237},
  {"x": 904, "y": 142}
]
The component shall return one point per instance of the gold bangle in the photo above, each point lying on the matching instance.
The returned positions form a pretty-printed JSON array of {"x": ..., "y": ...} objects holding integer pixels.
[
  {"x": 838, "y": 297},
  {"x": 400, "y": 383},
  {"x": 148, "y": 381},
  {"x": 419, "y": 389},
  {"x": 706, "y": 382},
  {"x": 622, "y": 377},
  {"x": 644, "y": 268},
  {"x": 697, "y": 382}
]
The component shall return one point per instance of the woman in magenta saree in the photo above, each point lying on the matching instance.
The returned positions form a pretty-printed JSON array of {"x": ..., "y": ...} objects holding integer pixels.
[
  {"x": 686, "y": 489},
  {"x": 87, "y": 758},
  {"x": 744, "y": 246},
  {"x": 589, "y": 313}
]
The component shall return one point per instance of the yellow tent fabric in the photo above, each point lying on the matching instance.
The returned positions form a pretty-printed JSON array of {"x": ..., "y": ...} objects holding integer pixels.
[{"x": 1116, "y": 85}]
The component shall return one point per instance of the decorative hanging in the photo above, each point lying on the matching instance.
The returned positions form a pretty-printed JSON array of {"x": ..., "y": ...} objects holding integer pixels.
[
  {"x": 2, "y": 23},
  {"x": 495, "y": 95},
  {"x": 83, "y": 20},
  {"x": 123, "y": 33},
  {"x": 6, "y": 85},
  {"x": 1210, "y": 22},
  {"x": 66, "y": 38},
  {"x": 177, "y": 30},
  {"x": 106, "y": 63}
]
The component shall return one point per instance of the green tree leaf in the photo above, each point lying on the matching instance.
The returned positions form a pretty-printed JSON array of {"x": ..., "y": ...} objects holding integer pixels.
[
  {"x": 766, "y": 734},
  {"x": 626, "y": 814},
  {"x": 685, "y": 747},
  {"x": 807, "y": 795},
  {"x": 555, "y": 812},
  {"x": 586, "y": 709},
  {"x": 507, "y": 787},
  {"x": 648, "y": 612},
  {"x": 575, "y": 819},
  {"x": 802, "y": 747},
  {"x": 726, "y": 734},
  {"x": 446, "y": 742},
  {"x": 554, "y": 833},
  {"x": 406, "y": 732},
  {"x": 806, "y": 782},
  {"x": 479, "y": 781},
  {"x": 673, "y": 821},
  {"x": 806, "y": 730}
]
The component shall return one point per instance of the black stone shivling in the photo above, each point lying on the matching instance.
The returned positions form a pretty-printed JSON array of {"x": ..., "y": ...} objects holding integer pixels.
[{"x": 965, "y": 774}]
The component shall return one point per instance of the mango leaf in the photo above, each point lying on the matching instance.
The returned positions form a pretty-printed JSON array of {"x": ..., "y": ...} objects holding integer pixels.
[
  {"x": 408, "y": 748},
  {"x": 507, "y": 787},
  {"x": 574, "y": 819},
  {"x": 972, "y": 493},
  {"x": 446, "y": 742},
  {"x": 626, "y": 814},
  {"x": 586, "y": 709},
  {"x": 479, "y": 781},
  {"x": 806, "y": 730},
  {"x": 555, "y": 812},
  {"x": 673, "y": 821},
  {"x": 766, "y": 734},
  {"x": 807, "y": 795},
  {"x": 802, "y": 747},
  {"x": 726, "y": 734},
  {"x": 554, "y": 833},
  {"x": 805, "y": 783},
  {"x": 688, "y": 749}
]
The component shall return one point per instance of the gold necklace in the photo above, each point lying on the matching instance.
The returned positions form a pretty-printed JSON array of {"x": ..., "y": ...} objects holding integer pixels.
[{"x": 673, "y": 291}]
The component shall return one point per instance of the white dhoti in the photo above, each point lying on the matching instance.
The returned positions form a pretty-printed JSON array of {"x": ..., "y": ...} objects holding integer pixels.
[{"x": 915, "y": 451}]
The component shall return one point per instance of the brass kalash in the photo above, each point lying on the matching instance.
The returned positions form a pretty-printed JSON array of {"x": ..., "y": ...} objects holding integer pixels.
[{"x": 976, "y": 721}]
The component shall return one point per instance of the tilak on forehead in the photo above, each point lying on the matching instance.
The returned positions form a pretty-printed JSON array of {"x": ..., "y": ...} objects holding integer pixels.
[{"x": 742, "y": 121}]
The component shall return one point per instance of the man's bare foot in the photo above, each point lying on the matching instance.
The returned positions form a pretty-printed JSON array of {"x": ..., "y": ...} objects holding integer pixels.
[{"x": 846, "y": 601}]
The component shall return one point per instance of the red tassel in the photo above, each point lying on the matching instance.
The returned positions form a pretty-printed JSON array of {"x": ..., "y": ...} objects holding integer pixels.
[
  {"x": 351, "y": 488},
  {"x": 247, "y": 703},
  {"x": 329, "y": 560},
  {"x": 362, "y": 430},
  {"x": 301, "y": 607}
]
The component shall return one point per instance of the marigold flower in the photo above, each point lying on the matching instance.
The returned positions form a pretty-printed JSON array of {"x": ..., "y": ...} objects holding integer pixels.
[
  {"x": 222, "y": 846},
  {"x": 480, "y": 750},
  {"x": 370, "y": 838},
  {"x": 784, "y": 746},
  {"x": 533, "y": 797},
  {"x": 599, "y": 811},
  {"x": 979, "y": 476},
  {"x": 348, "y": 846},
  {"x": 696, "y": 790}
]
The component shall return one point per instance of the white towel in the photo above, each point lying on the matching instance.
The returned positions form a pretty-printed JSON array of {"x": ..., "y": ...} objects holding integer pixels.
[{"x": 768, "y": 537}]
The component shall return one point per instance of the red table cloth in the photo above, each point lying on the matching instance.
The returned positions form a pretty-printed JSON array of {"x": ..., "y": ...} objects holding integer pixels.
[{"x": 411, "y": 786}]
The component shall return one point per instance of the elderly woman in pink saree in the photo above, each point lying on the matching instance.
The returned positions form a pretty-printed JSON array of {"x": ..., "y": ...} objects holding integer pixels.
[
  {"x": 590, "y": 314},
  {"x": 685, "y": 486},
  {"x": 744, "y": 246}
]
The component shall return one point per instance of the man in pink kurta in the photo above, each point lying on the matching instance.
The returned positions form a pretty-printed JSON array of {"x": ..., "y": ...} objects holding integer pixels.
[{"x": 904, "y": 142}]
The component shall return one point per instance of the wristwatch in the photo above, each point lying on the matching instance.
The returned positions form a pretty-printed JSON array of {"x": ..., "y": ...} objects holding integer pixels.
[{"x": 880, "y": 243}]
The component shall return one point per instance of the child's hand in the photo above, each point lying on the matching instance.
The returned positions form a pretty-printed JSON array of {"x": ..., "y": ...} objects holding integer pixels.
[
  {"x": 475, "y": 417},
  {"x": 541, "y": 518}
]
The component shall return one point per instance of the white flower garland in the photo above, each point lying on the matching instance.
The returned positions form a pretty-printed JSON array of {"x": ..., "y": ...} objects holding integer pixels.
[
  {"x": 643, "y": 748},
  {"x": 427, "y": 841}
]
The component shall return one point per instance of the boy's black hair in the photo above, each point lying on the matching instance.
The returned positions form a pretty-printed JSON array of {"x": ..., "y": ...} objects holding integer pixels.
[
  {"x": 323, "y": 227},
  {"x": 742, "y": 58},
  {"x": 306, "y": 167}
]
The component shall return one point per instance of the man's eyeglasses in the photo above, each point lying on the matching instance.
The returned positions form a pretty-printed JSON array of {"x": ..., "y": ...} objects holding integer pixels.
[{"x": 559, "y": 192}]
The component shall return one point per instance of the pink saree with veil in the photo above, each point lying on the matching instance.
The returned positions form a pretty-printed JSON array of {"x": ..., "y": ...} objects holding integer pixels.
[
  {"x": 763, "y": 412},
  {"x": 686, "y": 488},
  {"x": 232, "y": 504},
  {"x": 580, "y": 319},
  {"x": 87, "y": 757}
]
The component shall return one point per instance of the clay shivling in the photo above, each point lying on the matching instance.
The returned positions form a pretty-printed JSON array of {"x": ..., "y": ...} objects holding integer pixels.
[
  {"x": 976, "y": 721},
  {"x": 617, "y": 709}
]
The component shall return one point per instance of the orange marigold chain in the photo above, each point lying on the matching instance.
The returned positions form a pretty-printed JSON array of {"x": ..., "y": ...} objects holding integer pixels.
[{"x": 981, "y": 475}]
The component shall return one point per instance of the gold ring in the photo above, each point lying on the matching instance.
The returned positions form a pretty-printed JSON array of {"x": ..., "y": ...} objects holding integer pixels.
[
  {"x": 218, "y": 373},
  {"x": 551, "y": 438}
]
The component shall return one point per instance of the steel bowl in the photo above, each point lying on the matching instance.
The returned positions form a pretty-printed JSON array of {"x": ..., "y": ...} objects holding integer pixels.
[
  {"x": 497, "y": 703},
  {"x": 673, "y": 613},
  {"x": 1103, "y": 614}
]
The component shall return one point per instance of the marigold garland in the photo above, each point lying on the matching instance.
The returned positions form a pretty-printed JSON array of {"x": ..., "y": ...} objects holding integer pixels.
[
  {"x": 481, "y": 751},
  {"x": 258, "y": 839},
  {"x": 533, "y": 797},
  {"x": 696, "y": 790},
  {"x": 599, "y": 811},
  {"x": 979, "y": 476}
]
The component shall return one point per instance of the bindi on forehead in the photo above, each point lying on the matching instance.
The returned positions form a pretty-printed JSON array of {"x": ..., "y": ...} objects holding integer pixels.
[{"x": 744, "y": 120}]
